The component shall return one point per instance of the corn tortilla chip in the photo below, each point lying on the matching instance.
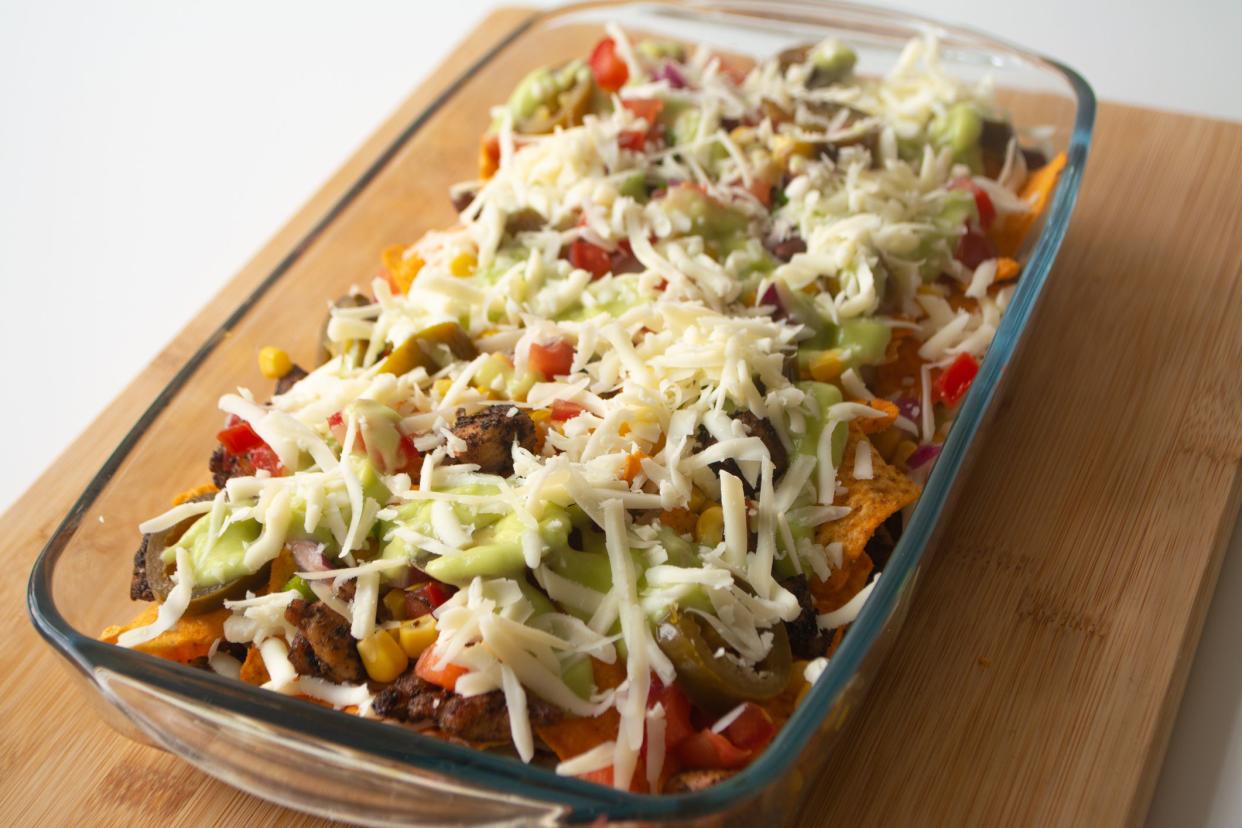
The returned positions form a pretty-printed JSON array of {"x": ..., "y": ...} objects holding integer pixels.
[
  {"x": 189, "y": 638},
  {"x": 871, "y": 502}
]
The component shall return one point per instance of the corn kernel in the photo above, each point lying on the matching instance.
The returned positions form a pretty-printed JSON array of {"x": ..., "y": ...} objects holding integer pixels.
[
  {"x": 828, "y": 366},
  {"x": 784, "y": 147},
  {"x": 417, "y": 635},
  {"x": 540, "y": 415},
  {"x": 382, "y": 657},
  {"x": 463, "y": 264},
  {"x": 709, "y": 529},
  {"x": 274, "y": 363},
  {"x": 442, "y": 386},
  {"x": 394, "y": 602},
  {"x": 698, "y": 500}
]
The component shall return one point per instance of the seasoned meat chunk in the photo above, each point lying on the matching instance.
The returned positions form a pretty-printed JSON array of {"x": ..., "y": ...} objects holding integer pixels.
[
  {"x": 754, "y": 427},
  {"x": 482, "y": 718},
  {"x": 139, "y": 587},
  {"x": 291, "y": 378},
  {"x": 323, "y": 646},
  {"x": 489, "y": 436},
  {"x": 757, "y": 427},
  {"x": 225, "y": 466},
  {"x": 806, "y": 640}
]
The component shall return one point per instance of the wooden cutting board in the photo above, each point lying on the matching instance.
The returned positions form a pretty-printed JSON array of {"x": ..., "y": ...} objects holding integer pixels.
[{"x": 1039, "y": 672}]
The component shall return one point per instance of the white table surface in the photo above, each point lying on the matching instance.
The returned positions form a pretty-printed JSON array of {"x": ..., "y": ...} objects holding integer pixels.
[{"x": 147, "y": 149}]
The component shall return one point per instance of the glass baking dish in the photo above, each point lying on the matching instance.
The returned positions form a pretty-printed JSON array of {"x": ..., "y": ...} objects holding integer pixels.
[{"x": 332, "y": 764}]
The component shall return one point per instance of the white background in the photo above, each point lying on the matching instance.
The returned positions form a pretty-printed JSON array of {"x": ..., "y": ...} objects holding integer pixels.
[{"x": 147, "y": 149}]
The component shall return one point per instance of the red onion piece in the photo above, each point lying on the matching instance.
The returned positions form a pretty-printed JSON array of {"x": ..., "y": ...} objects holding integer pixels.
[
  {"x": 772, "y": 298},
  {"x": 309, "y": 556},
  {"x": 910, "y": 408},
  {"x": 669, "y": 72},
  {"x": 921, "y": 455}
]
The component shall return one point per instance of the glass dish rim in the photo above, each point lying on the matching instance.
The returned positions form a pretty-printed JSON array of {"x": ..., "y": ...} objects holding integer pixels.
[{"x": 502, "y": 773}]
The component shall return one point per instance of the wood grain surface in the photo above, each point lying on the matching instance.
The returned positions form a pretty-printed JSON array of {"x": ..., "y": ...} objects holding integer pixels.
[{"x": 1039, "y": 672}]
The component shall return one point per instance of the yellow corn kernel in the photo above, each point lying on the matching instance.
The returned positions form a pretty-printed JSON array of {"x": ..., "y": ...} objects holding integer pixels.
[
  {"x": 785, "y": 147},
  {"x": 709, "y": 529},
  {"x": 382, "y": 658},
  {"x": 394, "y": 602},
  {"x": 698, "y": 500},
  {"x": 540, "y": 415},
  {"x": 417, "y": 635},
  {"x": 463, "y": 264},
  {"x": 828, "y": 366},
  {"x": 274, "y": 363},
  {"x": 902, "y": 453},
  {"x": 442, "y": 386}
]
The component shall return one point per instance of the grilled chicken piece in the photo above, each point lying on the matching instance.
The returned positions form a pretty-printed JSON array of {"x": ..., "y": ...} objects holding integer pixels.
[
  {"x": 323, "y": 646},
  {"x": 482, "y": 718},
  {"x": 489, "y": 436}
]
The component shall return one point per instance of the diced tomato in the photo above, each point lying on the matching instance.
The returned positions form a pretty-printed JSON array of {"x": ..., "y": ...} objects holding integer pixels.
[
  {"x": 983, "y": 202},
  {"x": 446, "y": 677},
  {"x": 264, "y": 458},
  {"x": 553, "y": 359},
  {"x": 413, "y": 458},
  {"x": 632, "y": 139},
  {"x": 761, "y": 190},
  {"x": 436, "y": 592},
  {"x": 238, "y": 437},
  {"x": 677, "y": 727},
  {"x": 563, "y": 410},
  {"x": 594, "y": 260},
  {"x": 955, "y": 381},
  {"x": 489, "y": 154},
  {"x": 974, "y": 248},
  {"x": 752, "y": 730},
  {"x": 648, "y": 109},
  {"x": 603, "y": 776},
  {"x": 708, "y": 750},
  {"x": 609, "y": 69}
]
